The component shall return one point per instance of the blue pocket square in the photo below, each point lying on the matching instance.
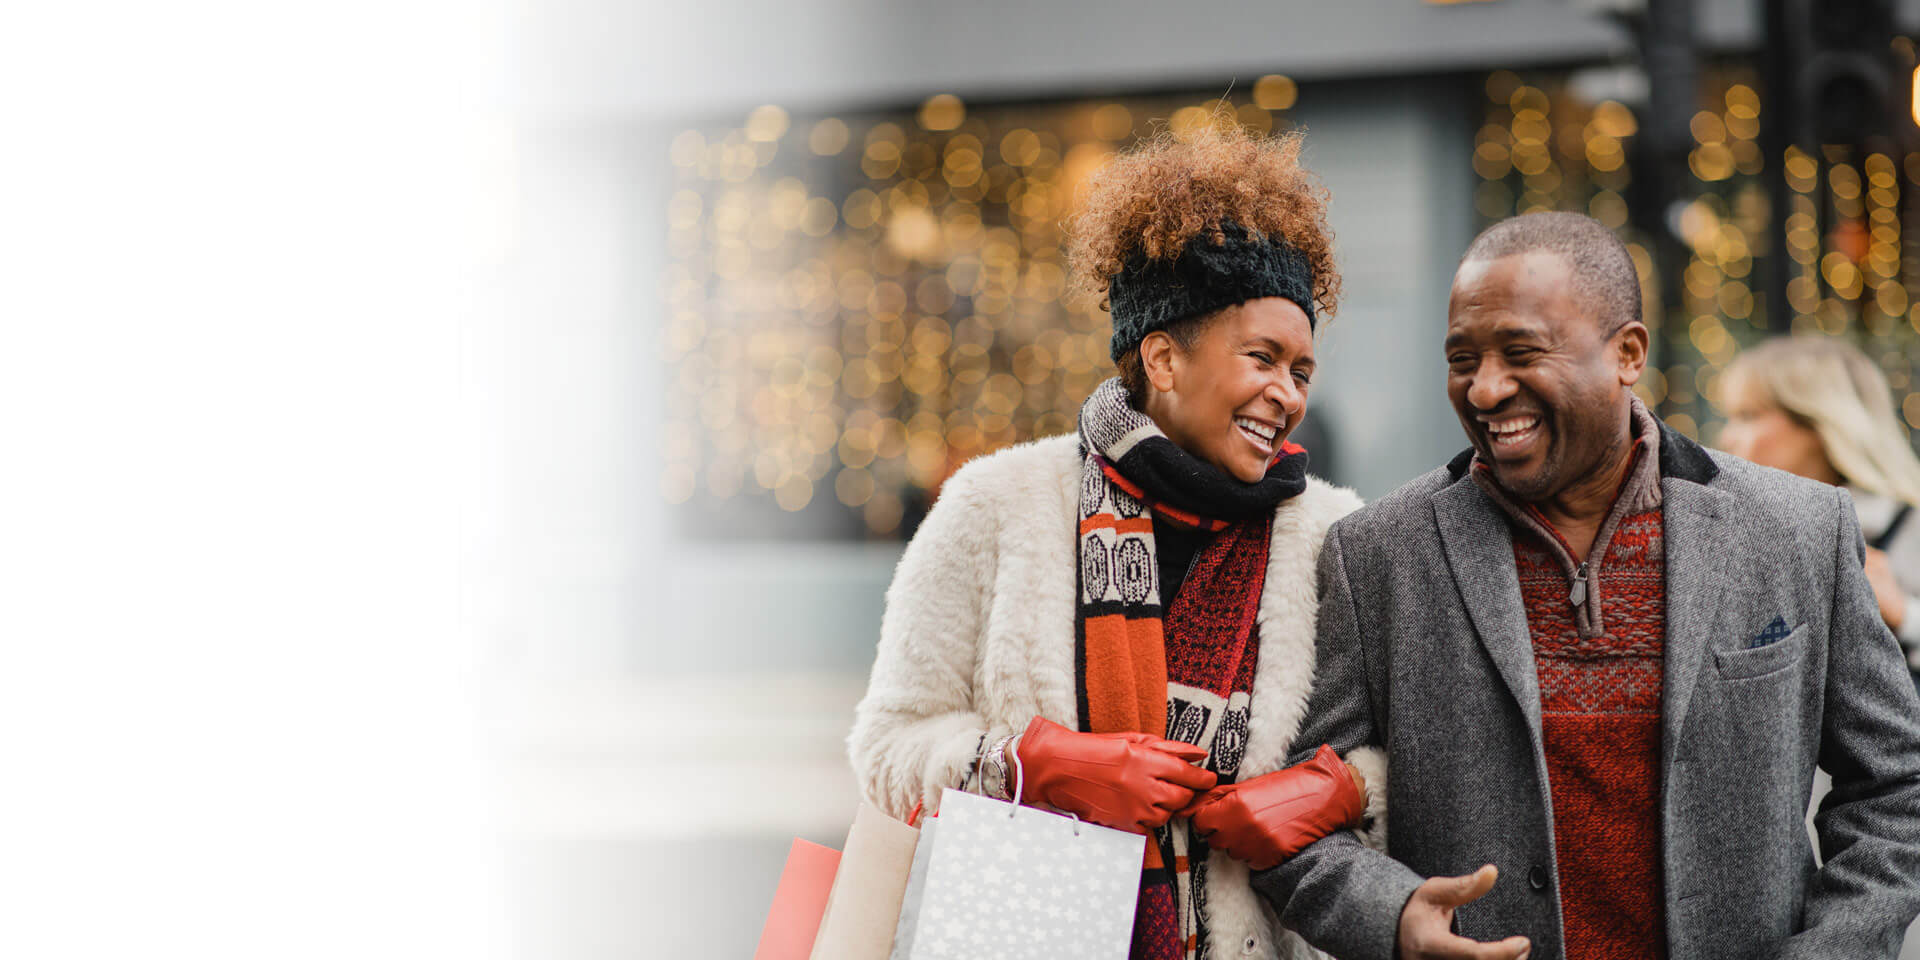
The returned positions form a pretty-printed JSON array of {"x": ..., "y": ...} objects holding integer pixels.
[{"x": 1774, "y": 633}]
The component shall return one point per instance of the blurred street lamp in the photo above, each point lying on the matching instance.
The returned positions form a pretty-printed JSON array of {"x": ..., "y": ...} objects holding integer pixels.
[
  {"x": 1914, "y": 81},
  {"x": 1841, "y": 79}
]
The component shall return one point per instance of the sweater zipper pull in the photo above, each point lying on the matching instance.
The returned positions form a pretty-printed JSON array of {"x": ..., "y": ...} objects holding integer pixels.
[{"x": 1579, "y": 594}]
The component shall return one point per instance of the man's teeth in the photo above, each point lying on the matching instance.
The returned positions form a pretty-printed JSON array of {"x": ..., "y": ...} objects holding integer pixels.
[
  {"x": 1258, "y": 429},
  {"x": 1511, "y": 429}
]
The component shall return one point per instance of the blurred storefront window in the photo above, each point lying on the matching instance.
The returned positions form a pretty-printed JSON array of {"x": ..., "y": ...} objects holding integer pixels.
[{"x": 860, "y": 303}]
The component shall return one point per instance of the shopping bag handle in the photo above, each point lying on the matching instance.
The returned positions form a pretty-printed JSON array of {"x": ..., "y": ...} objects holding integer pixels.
[{"x": 1019, "y": 782}]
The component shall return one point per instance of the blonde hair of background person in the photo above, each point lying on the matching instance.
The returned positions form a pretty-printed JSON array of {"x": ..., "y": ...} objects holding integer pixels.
[{"x": 1821, "y": 409}]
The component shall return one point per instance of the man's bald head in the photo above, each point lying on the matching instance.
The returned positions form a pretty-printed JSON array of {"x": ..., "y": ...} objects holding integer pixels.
[{"x": 1604, "y": 280}]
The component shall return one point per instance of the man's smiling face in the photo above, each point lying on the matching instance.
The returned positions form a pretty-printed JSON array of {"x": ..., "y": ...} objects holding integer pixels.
[{"x": 1533, "y": 376}]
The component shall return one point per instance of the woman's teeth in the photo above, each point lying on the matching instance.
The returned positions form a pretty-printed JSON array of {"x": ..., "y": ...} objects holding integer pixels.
[
  {"x": 1508, "y": 433},
  {"x": 1260, "y": 433}
]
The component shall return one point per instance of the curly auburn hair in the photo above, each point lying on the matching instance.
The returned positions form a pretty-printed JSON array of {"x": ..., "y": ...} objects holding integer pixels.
[{"x": 1156, "y": 197}]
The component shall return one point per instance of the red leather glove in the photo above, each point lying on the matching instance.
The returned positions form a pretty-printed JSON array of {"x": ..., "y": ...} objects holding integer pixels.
[
  {"x": 1131, "y": 781},
  {"x": 1272, "y": 817}
]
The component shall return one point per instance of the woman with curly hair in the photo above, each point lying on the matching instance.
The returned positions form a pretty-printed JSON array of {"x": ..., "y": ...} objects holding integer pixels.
[{"x": 1127, "y": 612}]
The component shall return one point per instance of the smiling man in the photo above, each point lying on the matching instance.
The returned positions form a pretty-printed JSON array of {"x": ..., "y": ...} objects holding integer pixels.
[{"x": 1604, "y": 664}]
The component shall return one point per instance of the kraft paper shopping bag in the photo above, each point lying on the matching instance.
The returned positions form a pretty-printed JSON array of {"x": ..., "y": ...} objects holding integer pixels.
[{"x": 865, "y": 904}]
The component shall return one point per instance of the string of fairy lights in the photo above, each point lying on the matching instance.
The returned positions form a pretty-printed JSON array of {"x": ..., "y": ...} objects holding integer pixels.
[
  {"x": 1850, "y": 259},
  {"x": 1541, "y": 147},
  {"x": 858, "y": 304}
]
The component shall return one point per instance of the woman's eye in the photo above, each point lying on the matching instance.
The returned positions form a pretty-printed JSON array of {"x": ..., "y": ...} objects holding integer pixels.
[
  {"x": 1265, "y": 359},
  {"x": 1521, "y": 353},
  {"x": 1303, "y": 377}
]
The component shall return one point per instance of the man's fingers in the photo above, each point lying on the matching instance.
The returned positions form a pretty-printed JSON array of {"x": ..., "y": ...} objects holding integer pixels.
[
  {"x": 1446, "y": 944},
  {"x": 1440, "y": 896},
  {"x": 1459, "y": 891},
  {"x": 1512, "y": 948}
]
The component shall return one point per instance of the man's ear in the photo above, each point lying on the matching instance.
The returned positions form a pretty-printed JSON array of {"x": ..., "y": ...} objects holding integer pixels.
[
  {"x": 1630, "y": 352},
  {"x": 1158, "y": 354}
]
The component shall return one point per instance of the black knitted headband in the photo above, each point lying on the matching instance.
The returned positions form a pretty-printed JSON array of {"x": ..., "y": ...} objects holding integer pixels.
[{"x": 1148, "y": 295}]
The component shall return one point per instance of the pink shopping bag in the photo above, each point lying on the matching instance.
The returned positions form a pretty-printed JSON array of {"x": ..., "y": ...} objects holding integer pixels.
[{"x": 794, "y": 919}]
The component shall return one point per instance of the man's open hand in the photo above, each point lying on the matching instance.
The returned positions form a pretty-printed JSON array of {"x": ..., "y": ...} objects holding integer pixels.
[{"x": 1426, "y": 923}]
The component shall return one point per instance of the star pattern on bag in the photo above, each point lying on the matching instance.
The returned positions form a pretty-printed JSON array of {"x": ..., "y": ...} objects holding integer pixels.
[{"x": 1031, "y": 886}]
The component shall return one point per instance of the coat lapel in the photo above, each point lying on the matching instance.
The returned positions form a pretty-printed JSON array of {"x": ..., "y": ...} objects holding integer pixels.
[
  {"x": 1699, "y": 546},
  {"x": 1479, "y": 549},
  {"x": 1696, "y": 556}
]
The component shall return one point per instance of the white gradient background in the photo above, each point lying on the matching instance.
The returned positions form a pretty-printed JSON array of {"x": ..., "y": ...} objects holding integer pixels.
[{"x": 241, "y": 246}]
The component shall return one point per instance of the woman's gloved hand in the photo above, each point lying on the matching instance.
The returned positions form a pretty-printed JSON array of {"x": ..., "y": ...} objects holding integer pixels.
[
  {"x": 1130, "y": 781},
  {"x": 1269, "y": 818}
]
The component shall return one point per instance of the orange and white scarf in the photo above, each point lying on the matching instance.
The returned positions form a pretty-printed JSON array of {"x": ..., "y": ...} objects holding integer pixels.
[{"x": 1180, "y": 667}]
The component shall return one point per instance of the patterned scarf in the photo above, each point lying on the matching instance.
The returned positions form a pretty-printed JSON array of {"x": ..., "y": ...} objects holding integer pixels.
[{"x": 1184, "y": 670}]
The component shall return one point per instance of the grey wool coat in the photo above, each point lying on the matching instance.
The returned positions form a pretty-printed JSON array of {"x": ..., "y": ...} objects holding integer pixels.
[{"x": 1423, "y": 649}]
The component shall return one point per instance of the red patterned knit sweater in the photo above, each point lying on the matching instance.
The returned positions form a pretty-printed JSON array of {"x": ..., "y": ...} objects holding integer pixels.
[{"x": 1599, "y": 664}]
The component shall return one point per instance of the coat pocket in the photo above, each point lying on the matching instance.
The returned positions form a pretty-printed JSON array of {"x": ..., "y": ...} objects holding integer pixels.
[{"x": 1751, "y": 662}]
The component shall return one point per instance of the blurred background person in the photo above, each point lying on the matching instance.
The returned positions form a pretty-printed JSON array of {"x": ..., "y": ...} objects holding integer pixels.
[
  {"x": 1821, "y": 409},
  {"x": 1184, "y": 605}
]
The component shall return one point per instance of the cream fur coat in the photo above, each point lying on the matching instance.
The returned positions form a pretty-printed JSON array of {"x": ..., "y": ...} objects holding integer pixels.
[{"x": 978, "y": 637}]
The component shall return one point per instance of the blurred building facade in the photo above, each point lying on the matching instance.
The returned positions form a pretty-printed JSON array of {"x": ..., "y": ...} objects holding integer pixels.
[{"x": 810, "y": 262}]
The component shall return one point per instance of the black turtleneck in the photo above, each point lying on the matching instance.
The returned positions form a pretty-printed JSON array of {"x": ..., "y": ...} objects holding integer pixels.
[{"x": 1174, "y": 548}]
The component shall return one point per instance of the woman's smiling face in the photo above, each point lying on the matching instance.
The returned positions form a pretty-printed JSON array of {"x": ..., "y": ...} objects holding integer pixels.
[{"x": 1232, "y": 398}]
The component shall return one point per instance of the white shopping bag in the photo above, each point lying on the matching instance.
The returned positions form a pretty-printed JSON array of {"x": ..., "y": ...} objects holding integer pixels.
[
  {"x": 909, "y": 922},
  {"x": 1000, "y": 880}
]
